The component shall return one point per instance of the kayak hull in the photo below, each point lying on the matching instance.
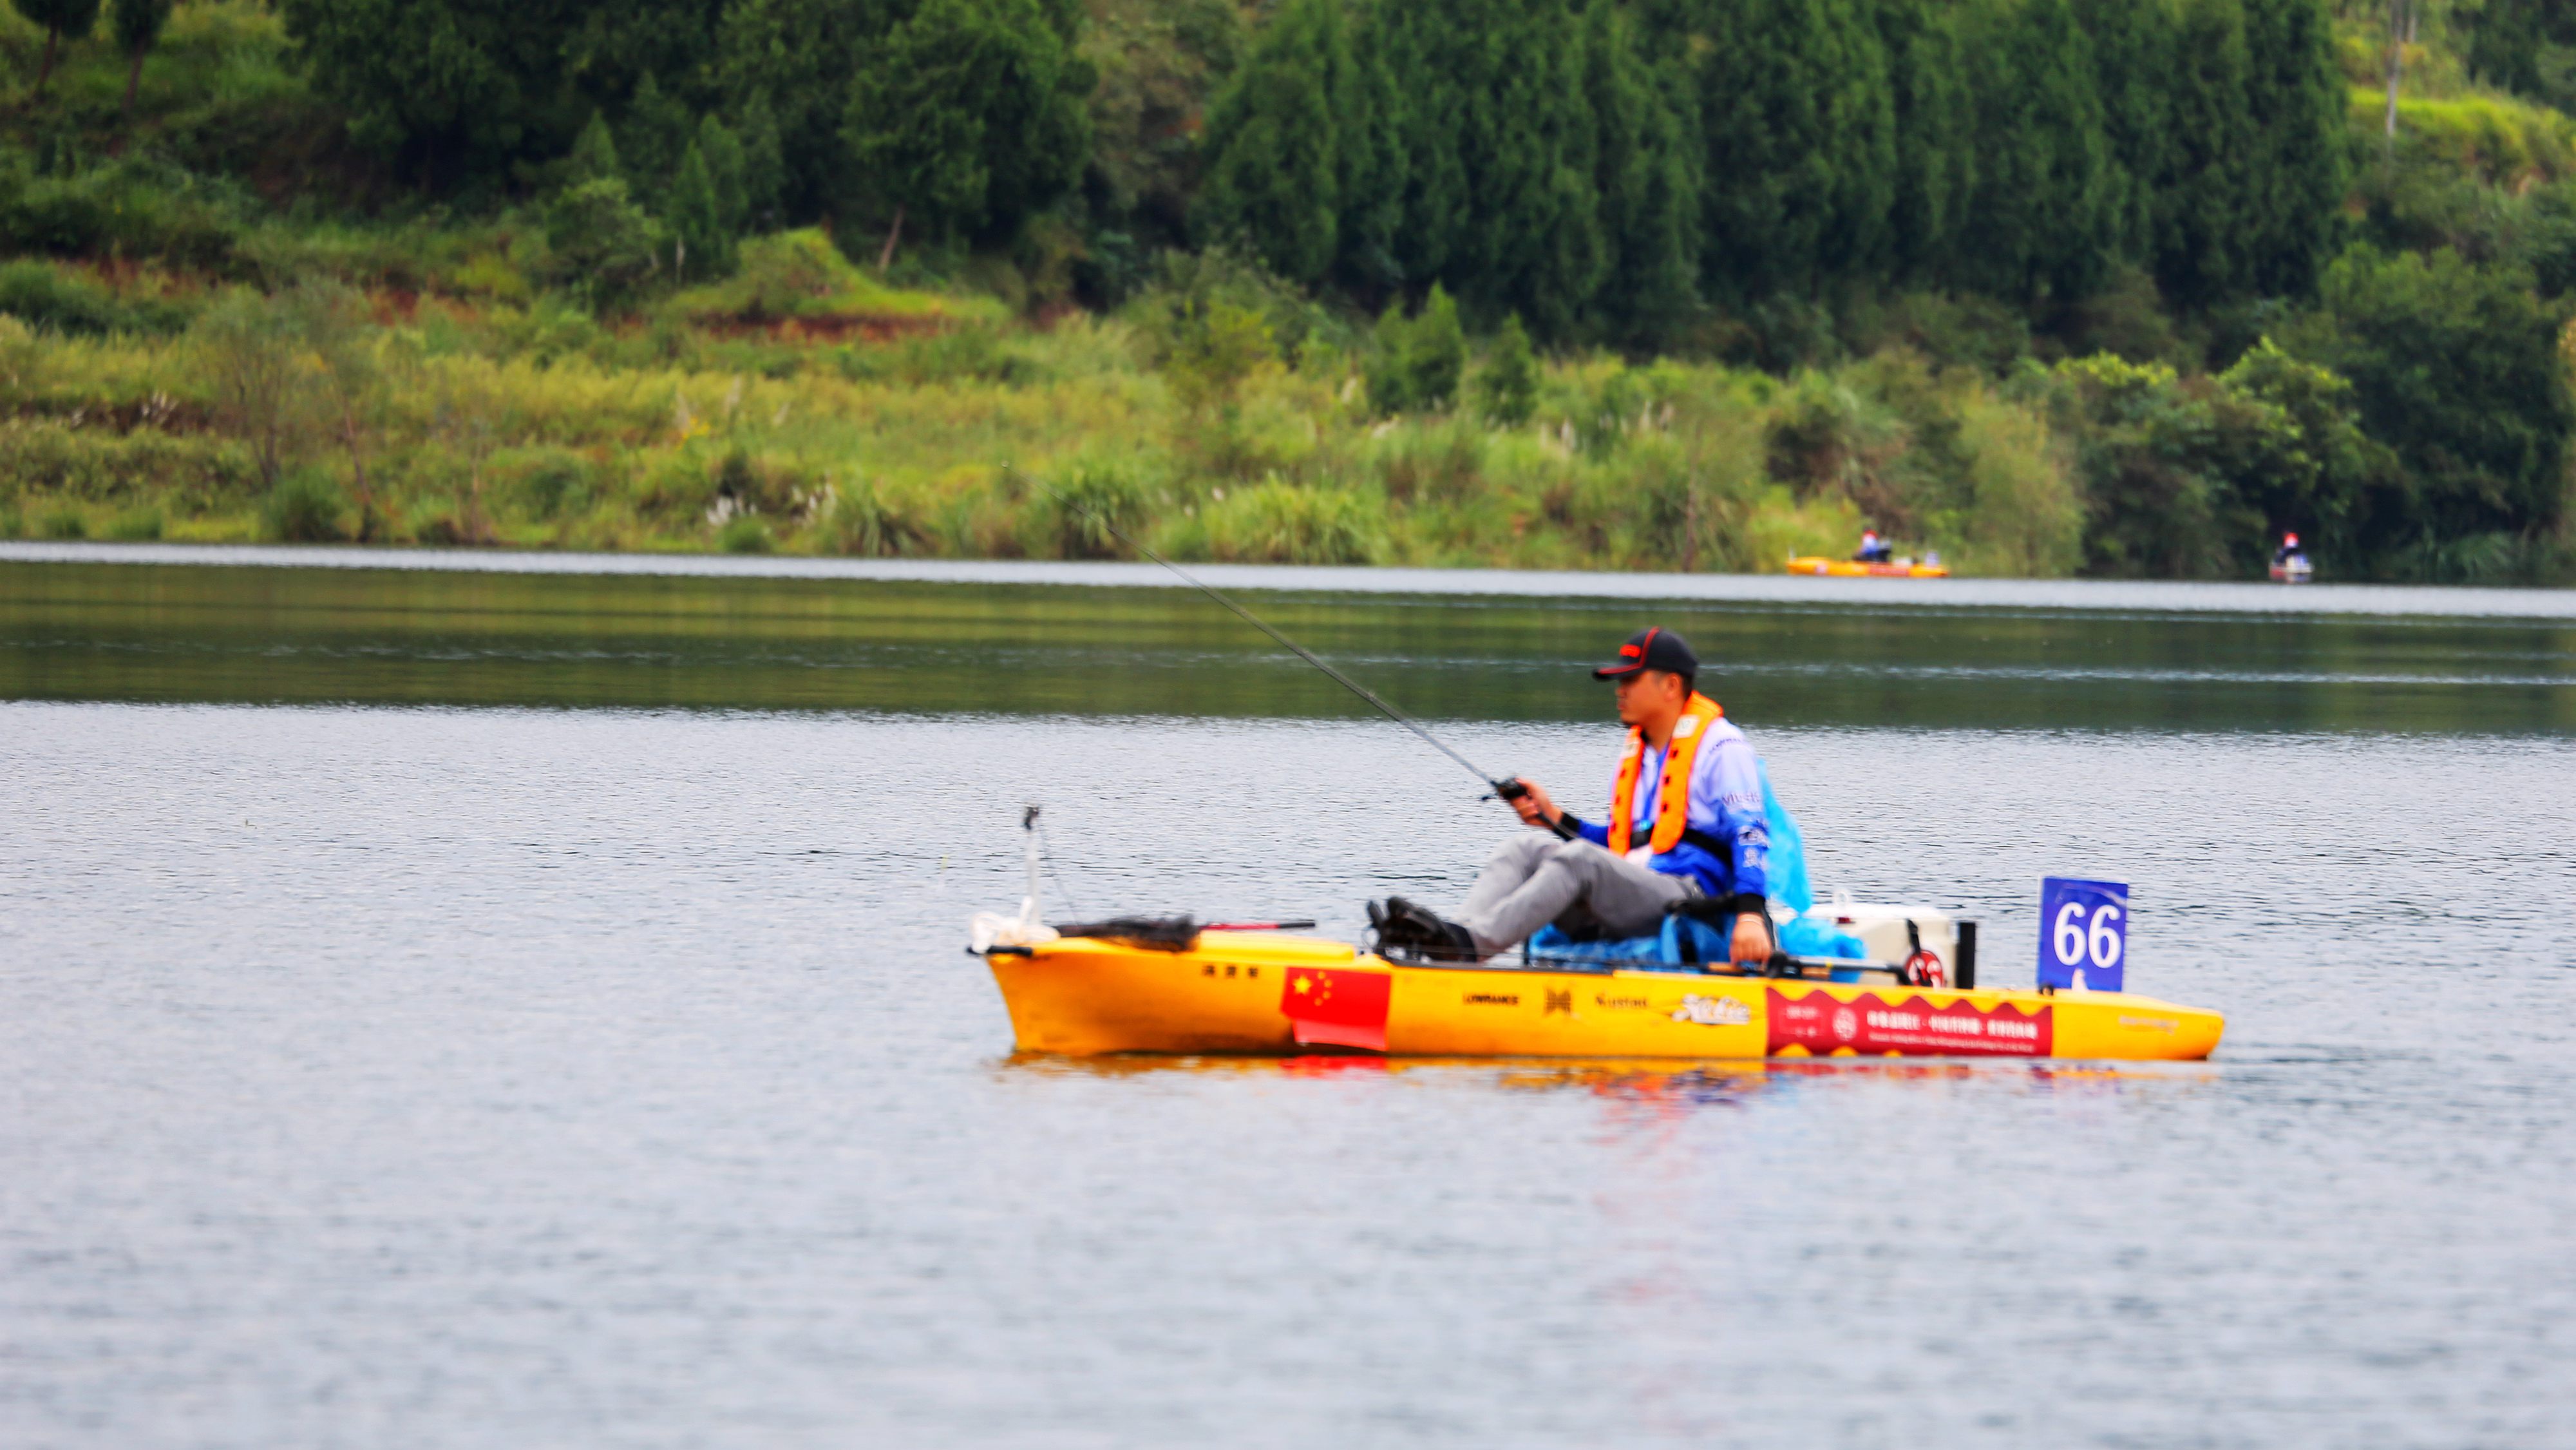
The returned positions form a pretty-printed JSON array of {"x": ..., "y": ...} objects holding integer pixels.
[
  {"x": 1854, "y": 569},
  {"x": 1264, "y": 993}
]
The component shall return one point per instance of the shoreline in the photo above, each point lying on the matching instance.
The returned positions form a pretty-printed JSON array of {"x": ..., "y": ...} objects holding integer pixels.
[{"x": 2088, "y": 595}]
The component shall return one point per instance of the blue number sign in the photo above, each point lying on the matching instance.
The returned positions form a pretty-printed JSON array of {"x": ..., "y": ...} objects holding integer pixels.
[{"x": 2083, "y": 933}]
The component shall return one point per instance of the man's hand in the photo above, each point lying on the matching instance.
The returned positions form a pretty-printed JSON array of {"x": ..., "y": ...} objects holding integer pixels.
[
  {"x": 1752, "y": 942},
  {"x": 1533, "y": 803}
]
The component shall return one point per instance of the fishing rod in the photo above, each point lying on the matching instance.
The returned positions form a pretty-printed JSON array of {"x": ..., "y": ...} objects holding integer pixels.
[{"x": 1503, "y": 787}]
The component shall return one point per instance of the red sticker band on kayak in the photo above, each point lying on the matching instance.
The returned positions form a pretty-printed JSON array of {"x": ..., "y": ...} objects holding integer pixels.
[
  {"x": 1338, "y": 1009},
  {"x": 1911, "y": 1025}
]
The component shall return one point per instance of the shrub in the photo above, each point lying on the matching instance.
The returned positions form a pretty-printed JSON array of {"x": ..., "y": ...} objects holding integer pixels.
[
  {"x": 1416, "y": 363},
  {"x": 64, "y": 521},
  {"x": 603, "y": 243},
  {"x": 250, "y": 345},
  {"x": 1281, "y": 523},
  {"x": 865, "y": 521},
  {"x": 40, "y": 296},
  {"x": 1083, "y": 502},
  {"x": 2022, "y": 516},
  {"x": 191, "y": 471},
  {"x": 745, "y": 534},
  {"x": 1437, "y": 462},
  {"x": 1212, "y": 350},
  {"x": 131, "y": 209},
  {"x": 136, "y": 524},
  {"x": 1963, "y": 331},
  {"x": 1195, "y": 285},
  {"x": 547, "y": 332},
  {"x": 303, "y": 508},
  {"x": 545, "y": 482}
]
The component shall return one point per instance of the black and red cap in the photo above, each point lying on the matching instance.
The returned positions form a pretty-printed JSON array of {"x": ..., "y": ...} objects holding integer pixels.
[{"x": 1657, "y": 648}]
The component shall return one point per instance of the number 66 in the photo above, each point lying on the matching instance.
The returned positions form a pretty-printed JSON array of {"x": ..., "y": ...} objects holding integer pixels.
[{"x": 2069, "y": 936}]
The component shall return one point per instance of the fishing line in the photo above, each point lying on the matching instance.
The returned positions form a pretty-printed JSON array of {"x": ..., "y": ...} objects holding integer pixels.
[
  {"x": 1046, "y": 853},
  {"x": 1505, "y": 788}
]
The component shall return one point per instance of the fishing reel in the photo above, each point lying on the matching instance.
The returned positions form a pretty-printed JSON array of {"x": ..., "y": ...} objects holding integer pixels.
[
  {"x": 1510, "y": 789},
  {"x": 1922, "y": 968}
]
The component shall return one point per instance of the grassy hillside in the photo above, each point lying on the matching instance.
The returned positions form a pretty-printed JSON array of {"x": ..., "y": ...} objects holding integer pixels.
[{"x": 226, "y": 321}]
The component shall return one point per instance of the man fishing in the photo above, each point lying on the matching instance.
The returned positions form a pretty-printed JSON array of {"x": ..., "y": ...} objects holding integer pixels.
[{"x": 1686, "y": 821}]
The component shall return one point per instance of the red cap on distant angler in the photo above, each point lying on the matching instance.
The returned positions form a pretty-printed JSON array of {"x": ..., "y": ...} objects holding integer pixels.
[{"x": 1657, "y": 648}]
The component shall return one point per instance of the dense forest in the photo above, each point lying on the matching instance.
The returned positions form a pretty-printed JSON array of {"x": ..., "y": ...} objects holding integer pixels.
[{"x": 2049, "y": 286}]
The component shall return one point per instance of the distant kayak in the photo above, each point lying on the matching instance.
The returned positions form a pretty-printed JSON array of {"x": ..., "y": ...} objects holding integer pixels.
[
  {"x": 1271, "y": 992},
  {"x": 1825, "y": 568}
]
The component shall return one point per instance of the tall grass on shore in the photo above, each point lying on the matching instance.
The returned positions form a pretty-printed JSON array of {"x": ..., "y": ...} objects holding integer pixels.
[
  {"x": 804, "y": 409},
  {"x": 319, "y": 412}
]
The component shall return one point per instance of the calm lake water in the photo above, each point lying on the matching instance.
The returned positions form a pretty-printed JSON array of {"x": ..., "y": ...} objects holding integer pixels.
[{"x": 460, "y": 1009}]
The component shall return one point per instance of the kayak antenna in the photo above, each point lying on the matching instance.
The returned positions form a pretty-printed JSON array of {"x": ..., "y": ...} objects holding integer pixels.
[{"x": 1504, "y": 787}]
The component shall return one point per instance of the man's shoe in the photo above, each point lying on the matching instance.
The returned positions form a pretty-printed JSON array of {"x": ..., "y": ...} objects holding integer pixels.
[
  {"x": 1399, "y": 927},
  {"x": 1424, "y": 933}
]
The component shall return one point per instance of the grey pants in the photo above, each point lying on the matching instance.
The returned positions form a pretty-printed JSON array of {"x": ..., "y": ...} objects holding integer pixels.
[{"x": 1533, "y": 879}]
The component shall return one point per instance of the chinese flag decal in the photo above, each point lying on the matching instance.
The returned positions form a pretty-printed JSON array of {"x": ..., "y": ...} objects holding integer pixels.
[{"x": 1343, "y": 1009}]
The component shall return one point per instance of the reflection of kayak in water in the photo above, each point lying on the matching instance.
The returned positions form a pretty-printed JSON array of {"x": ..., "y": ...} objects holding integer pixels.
[
  {"x": 1823, "y": 567},
  {"x": 1268, "y": 992}
]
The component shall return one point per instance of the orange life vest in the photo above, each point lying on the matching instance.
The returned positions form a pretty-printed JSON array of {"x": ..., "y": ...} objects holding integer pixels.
[{"x": 1672, "y": 797}]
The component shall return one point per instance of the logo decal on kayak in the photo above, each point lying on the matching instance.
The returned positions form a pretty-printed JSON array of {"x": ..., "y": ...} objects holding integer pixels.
[
  {"x": 1559, "y": 1002},
  {"x": 1713, "y": 1011},
  {"x": 1491, "y": 999},
  {"x": 1341, "y": 1009},
  {"x": 1817, "y": 1023}
]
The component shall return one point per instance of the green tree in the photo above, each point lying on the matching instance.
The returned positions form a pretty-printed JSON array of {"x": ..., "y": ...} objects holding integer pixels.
[
  {"x": 2134, "y": 56},
  {"x": 764, "y": 164},
  {"x": 449, "y": 87},
  {"x": 2296, "y": 104},
  {"x": 1429, "y": 48},
  {"x": 594, "y": 154},
  {"x": 2041, "y": 222},
  {"x": 1533, "y": 244},
  {"x": 792, "y": 60},
  {"x": 1160, "y": 62},
  {"x": 2309, "y": 468},
  {"x": 601, "y": 242},
  {"x": 2523, "y": 46},
  {"x": 727, "y": 167},
  {"x": 2207, "y": 203},
  {"x": 1507, "y": 386},
  {"x": 2455, "y": 367},
  {"x": 1935, "y": 118},
  {"x": 1799, "y": 123},
  {"x": 1417, "y": 363},
  {"x": 970, "y": 114},
  {"x": 1273, "y": 150},
  {"x": 702, "y": 234},
  {"x": 1435, "y": 352},
  {"x": 655, "y": 134},
  {"x": 1646, "y": 187},
  {"x": 57, "y": 18},
  {"x": 1369, "y": 150},
  {"x": 138, "y": 29}
]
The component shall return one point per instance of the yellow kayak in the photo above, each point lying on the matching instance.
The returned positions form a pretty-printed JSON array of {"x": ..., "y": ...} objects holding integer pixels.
[
  {"x": 1823, "y": 567},
  {"x": 1268, "y": 992}
]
